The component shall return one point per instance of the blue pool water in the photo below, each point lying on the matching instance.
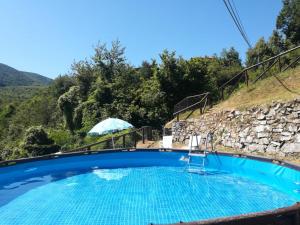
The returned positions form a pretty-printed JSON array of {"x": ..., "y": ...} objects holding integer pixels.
[{"x": 139, "y": 188}]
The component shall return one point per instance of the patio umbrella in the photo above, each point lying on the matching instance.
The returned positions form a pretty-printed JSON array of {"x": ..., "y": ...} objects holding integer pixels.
[{"x": 110, "y": 125}]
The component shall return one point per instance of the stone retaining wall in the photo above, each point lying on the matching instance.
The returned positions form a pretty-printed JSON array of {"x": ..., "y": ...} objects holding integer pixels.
[{"x": 272, "y": 130}]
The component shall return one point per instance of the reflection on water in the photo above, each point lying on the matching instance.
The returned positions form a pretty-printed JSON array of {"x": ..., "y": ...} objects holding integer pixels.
[
  {"x": 108, "y": 175},
  {"x": 30, "y": 170},
  {"x": 17, "y": 187}
]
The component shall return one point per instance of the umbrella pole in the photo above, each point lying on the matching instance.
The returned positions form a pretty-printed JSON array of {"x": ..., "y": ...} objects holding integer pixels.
[{"x": 112, "y": 140}]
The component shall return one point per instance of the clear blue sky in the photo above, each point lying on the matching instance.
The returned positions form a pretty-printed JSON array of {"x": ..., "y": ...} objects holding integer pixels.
[{"x": 47, "y": 36}]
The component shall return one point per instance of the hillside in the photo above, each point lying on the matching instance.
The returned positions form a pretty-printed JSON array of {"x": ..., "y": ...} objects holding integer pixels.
[
  {"x": 12, "y": 77},
  {"x": 282, "y": 87},
  {"x": 15, "y": 94}
]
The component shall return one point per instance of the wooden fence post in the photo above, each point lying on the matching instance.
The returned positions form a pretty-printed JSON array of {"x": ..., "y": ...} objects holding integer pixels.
[
  {"x": 135, "y": 138},
  {"x": 149, "y": 133},
  {"x": 222, "y": 93},
  {"x": 143, "y": 138},
  {"x": 246, "y": 77},
  {"x": 279, "y": 64}
]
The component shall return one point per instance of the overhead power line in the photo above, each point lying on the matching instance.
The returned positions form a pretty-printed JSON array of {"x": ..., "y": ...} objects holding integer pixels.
[
  {"x": 237, "y": 20},
  {"x": 238, "y": 16}
]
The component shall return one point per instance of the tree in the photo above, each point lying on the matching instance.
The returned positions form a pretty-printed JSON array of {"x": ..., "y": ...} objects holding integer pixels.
[
  {"x": 67, "y": 103},
  {"x": 84, "y": 76},
  {"x": 261, "y": 51},
  {"x": 146, "y": 70},
  {"x": 276, "y": 43},
  {"x": 170, "y": 76},
  {"x": 288, "y": 21},
  {"x": 109, "y": 62},
  {"x": 62, "y": 84},
  {"x": 153, "y": 103},
  {"x": 230, "y": 57}
]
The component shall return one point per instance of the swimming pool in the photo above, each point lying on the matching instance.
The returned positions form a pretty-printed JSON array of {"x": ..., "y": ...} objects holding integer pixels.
[{"x": 141, "y": 187}]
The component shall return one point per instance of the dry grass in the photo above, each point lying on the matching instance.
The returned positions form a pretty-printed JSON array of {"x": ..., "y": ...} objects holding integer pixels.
[
  {"x": 282, "y": 87},
  {"x": 148, "y": 144}
]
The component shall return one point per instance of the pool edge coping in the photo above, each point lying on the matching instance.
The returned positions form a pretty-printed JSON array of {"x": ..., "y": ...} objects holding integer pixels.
[{"x": 12, "y": 162}]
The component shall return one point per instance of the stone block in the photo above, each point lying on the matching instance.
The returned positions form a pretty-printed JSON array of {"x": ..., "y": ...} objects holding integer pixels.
[
  {"x": 261, "y": 116},
  {"x": 281, "y": 125},
  {"x": 292, "y": 128},
  {"x": 271, "y": 121},
  {"x": 256, "y": 148},
  {"x": 277, "y": 106},
  {"x": 262, "y": 134},
  {"x": 263, "y": 122},
  {"x": 271, "y": 113},
  {"x": 285, "y": 138},
  {"x": 296, "y": 108},
  {"x": 296, "y": 121},
  {"x": 276, "y": 138},
  {"x": 291, "y": 148},
  {"x": 275, "y": 143},
  {"x": 242, "y": 140},
  {"x": 260, "y": 128},
  {"x": 244, "y": 133},
  {"x": 297, "y": 138},
  {"x": 255, "y": 140},
  {"x": 238, "y": 145},
  {"x": 264, "y": 141},
  {"x": 271, "y": 149},
  {"x": 249, "y": 139}
]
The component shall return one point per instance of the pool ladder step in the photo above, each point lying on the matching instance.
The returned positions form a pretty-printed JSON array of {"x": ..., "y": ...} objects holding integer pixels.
[
  {"x": 195, "y": 153},
  {"x": 195, "y": 166}
]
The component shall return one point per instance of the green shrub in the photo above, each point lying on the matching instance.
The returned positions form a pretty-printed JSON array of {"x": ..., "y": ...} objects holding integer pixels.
[{"x": 36, "y": 142}]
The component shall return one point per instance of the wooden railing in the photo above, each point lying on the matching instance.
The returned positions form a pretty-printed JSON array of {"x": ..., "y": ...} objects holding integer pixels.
[
  {"x": 201, "y": 101},
  {"x": 127, "y": 140},
  {"x": 193, "y": 102},
  {"x": 269, "y": 63}
]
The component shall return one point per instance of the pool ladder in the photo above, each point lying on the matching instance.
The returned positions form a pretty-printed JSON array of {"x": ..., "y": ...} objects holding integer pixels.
[{"x": 195, "y": 152}]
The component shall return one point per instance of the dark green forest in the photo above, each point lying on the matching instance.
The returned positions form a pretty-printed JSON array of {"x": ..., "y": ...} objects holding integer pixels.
[{"x": 107, "y": 85}]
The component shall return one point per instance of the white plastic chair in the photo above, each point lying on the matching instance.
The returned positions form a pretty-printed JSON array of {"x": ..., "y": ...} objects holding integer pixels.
[
  {"x": 167, "y": 142},
  {"x": 194, "y": 142}
]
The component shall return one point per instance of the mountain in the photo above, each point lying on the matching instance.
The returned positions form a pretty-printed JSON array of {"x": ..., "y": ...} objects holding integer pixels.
[{"x": 12, "y": 77}]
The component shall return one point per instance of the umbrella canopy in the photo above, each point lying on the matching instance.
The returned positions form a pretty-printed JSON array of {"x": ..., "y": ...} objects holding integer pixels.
[{"x": 109, "y": 125}]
